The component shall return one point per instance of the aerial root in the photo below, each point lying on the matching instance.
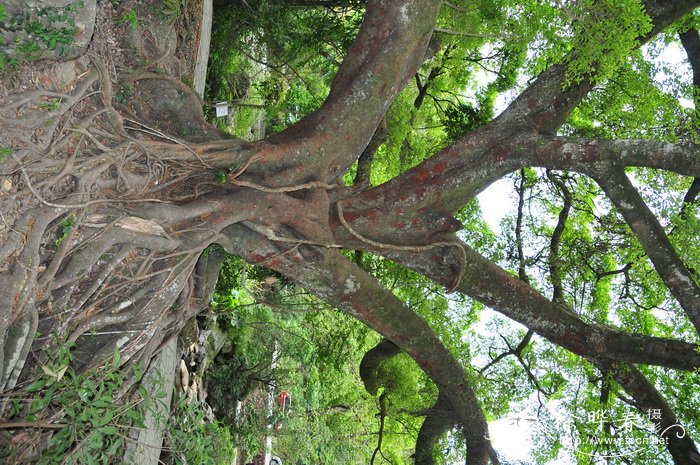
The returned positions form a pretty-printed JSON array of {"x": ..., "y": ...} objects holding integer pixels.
[{"x": 411, "y": 248}]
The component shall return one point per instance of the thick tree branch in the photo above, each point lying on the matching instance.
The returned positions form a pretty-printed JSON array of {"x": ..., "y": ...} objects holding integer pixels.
[
  {"x": 691, "y": 196},
  {"x": 522, "y": 269},
  {"x": 385, "y": 55},
  {"x": 691, "y": 43},
  {"x": 364, "y": 163},
  {"x": 647, "y": 398},
  {"x": 613, "y": 352},
  {"x": 449, "y": 179},
  {"x": 438, "y": 420},
  {"x": 371, "y": 361},
  {"x": 587, "y": 155},
  {"x": 488, "y": 283},
  {"x": 654, "y": 240},
  {"x": 344, "y": 285},
  {"x": 554, "y": 261}
]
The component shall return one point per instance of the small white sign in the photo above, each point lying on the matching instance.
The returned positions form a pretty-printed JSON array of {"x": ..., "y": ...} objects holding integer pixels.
[{"x": 221, "y": 109}]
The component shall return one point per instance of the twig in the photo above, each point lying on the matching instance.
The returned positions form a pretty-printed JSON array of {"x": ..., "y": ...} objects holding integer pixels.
[
  {"x": 91, "y": 137},
  {"x": 156, "y": 132},
  {"x": 31, "y": 424},
  {"x": 465, "y": 34},
  {"x": 38, "y": 196}
]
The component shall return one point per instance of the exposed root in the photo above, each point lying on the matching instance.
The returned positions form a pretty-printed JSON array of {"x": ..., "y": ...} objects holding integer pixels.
[
  {"x": 281, "y": 190},
  {"x": 155, "y": 132}
]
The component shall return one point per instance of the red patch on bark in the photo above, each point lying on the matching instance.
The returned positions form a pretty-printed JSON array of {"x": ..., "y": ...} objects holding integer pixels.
[
  {"x": 350, "y": 216},
  {"x": 414, "y": 221},
  {"x": 422, "y": 175},
  {"x": 400, "y": 225},
  {"x": 372, "y": 215},
  {"x": 213, "y": 218},
  {"x": 398, "y": 211},
  {"x": 275, "y": 262},
  {"x": 440, "y": 166}
]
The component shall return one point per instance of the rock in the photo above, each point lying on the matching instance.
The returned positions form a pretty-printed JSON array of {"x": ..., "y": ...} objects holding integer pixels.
[
  {"x": 182, "y": 378},
  {"x": 68, "y": 26}
]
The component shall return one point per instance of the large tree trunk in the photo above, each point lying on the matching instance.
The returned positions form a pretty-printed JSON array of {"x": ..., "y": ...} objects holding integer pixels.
[{"x": 106, "y": 219}]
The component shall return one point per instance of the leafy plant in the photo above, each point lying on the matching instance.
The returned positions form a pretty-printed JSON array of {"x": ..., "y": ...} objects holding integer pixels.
[
  {"x": 124, "y": 94},
  {"x": 221, "y": 176},
  {"x": 51, "y": 104},
  {"x": 172, "y": 9},
  {"x": 38, "y": 32},
  {"x": 191, "y": 438},
  {"x": 131, "y": 19},
  {"x": 66, "y": 228},
  {"x": 93, "y": 427}
]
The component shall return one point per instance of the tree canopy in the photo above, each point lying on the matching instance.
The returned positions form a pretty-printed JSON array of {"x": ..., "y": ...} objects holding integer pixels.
[{"x": 125, "y": 213}]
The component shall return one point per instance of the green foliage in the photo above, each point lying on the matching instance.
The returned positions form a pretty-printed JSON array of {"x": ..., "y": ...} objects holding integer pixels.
[
  {"x": 5, "y": 152},
  {"x": 463, "y": 117},
  {"x": 604, "y": 36},
  {"x": 284, "y": 59},
  {"x": 94, "y": 425},
  {"x": 124, "y": 94},
  {"x": 39, "y": 32},
  {"x": 66, "y": 227},
  {"x": 631, "y": 105},
  {"x": 221, "y": 176},
  {"x": 191, "y": 438},
  {"x": 131, "y": 18},
  {"x": 172, "y": 9}
]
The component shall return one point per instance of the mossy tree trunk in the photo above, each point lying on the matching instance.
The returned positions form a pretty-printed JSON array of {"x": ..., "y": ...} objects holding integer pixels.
[{"x": 106, "y": 218}]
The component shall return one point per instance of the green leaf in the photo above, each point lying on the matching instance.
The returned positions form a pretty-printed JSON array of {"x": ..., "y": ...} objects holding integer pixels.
[
  {"x": 36, "y": 385},
  {"x": 101, "y": 418},
  {"x": 44, "y": 401},
  {"x": 108, "y": 430},
  {"x": 115, "y": 446},
  {"x": 96, "y": 441},
  {"x": 116, "y": 359}
]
